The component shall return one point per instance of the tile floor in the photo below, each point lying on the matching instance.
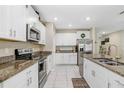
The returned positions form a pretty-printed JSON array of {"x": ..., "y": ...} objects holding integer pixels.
[{"x": 61, "y": 75}]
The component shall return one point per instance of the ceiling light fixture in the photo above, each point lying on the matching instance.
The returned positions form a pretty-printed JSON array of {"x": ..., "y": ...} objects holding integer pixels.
[
  {"x": 70, "y": 25},
  {"x": 88, "y": 18},
  {"x": 103, "y": 33},
  {"x": 55, "y": 18}
]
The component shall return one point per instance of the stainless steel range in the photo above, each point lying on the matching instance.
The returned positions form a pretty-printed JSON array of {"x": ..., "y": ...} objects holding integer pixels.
[
  {"x": 42, "y": 72},
  {"x": 23, "y": 54},
  {"x": 27, "y": 54}
]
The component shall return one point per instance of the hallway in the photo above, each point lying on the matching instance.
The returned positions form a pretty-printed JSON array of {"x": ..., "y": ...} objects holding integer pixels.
[{"x": 61, "y": 76}]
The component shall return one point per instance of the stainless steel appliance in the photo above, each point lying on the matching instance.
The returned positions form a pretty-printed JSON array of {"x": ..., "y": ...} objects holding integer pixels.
[
  {"x": 84, "y": 46},
  {"x": 42, "y": 72},
  {"x": 23, "y": 54},
  {"x": 27, "y": 54},
  {"x": 33, "y": 34}
]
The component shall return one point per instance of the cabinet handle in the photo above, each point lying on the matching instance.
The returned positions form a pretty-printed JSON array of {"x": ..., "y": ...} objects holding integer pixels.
[
  {"x": 10, "y": 32},
  {"x": 27, "y": 82},
  {"x": 30, "y": 79},
  {"x": 14, "y": 33},
  {"x": 119, "y": 82},
  {"x": 93, "y": 73},
  {"x": 85, "y": 66},
  {"x": 108, "y": 85}
]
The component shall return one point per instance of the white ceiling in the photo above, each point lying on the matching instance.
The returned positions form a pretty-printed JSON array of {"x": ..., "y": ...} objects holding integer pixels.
[{"x": 103, "y": 17}]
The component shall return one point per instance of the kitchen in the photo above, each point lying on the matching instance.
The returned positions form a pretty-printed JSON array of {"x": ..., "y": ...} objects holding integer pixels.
[{"x": 44, "y": 46}]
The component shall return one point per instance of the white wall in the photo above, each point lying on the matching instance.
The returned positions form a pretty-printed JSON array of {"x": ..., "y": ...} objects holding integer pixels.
[
  {"x": 50, "y": 40},
  {"x": 87, "y": 34},
  {"x": 116, "y": 38}
]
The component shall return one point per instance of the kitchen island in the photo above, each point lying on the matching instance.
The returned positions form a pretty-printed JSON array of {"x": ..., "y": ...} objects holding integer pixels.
[{"x": 98, "y": 74}]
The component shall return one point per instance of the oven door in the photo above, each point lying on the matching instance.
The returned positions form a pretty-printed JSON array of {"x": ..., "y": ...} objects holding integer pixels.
[{"x": 42, "y": 70}]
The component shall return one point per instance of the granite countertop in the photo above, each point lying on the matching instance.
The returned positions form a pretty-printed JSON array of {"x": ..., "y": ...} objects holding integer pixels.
[
  {"x": 65, "y": 51},
  {"x": 10, "y": 69},
  {"x": 116, "y": 69},
  {"x": 13, "y": 67}
]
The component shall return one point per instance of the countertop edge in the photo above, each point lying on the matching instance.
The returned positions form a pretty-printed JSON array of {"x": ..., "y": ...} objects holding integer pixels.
[
  {"x": 19, "y": 70},
  {"x": 116, "y": 72}
]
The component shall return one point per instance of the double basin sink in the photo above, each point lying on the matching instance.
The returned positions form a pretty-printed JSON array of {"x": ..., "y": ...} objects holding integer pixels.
[{"x": 109, "y": 62}]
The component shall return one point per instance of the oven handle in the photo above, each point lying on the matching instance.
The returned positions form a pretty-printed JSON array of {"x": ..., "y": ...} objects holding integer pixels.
[{"x": 40, "y": 62}]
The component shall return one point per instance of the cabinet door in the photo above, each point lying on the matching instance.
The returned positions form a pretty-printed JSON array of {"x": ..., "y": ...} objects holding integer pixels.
[
  {"x": 49, "y": 63},
  {"x": 101, "y": 76},
  {"x": 5, "y": 25},
  {"x": 58, "y": 39},
  {"x": 13, "y": 23},
  {"x": 87, "y": 72},
  {"x": 95, "y": 75},
  {"x": 65, "y": 58},
  {"x": 68, "y": 39},
  {"x": 32, "y": 17},
  {"x": 1, "y": 85},
  {"x": 25, "y": 79},
  {"x": 59, "y": 58},
  {"x": 42, "y": 30},
  {"x": 19, "y": 22},
  {"x": 33, "y": 76},
  {"x": 17, "y": 81},
  {"x": 43, "y": 35},
  {"x": 74, "y": 58},
  {"x": 115, "y": 81}
]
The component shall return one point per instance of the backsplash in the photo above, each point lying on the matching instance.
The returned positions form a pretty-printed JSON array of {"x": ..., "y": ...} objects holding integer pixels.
[{"x": 7, "y": 47}]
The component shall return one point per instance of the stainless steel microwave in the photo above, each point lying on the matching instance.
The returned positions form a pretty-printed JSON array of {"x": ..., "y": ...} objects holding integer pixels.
[{"x": 33, "y": 34}]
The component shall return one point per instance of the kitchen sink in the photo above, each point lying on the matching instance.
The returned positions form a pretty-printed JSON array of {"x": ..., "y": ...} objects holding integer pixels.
[{"x": 109, "y": 62}]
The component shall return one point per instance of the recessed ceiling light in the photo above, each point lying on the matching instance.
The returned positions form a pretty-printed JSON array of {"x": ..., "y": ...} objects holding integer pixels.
[
  {"x": 88, "y": 18},
  {"x": 70, "y": 25},
  {"x": 55, "y": 18},
  {"x": 103, "y": 32}
]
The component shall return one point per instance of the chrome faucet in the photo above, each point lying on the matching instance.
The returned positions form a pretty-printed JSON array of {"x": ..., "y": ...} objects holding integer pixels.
[{"x": 116, "y": 51}]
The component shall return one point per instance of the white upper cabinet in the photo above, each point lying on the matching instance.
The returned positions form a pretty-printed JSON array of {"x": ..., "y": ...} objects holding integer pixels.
[
  {"x": 13, "y": 22},
  {"x": 66, "y": 39},
  {"x": 32, "y": 17},
  {"x": 42, "y": 30},
  {"x": 33, "y": 21}
]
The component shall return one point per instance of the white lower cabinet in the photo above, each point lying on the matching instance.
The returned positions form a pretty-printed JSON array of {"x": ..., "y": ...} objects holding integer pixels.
[
  {"x": 100, "y": 77},
  {"x": 25, "y": 79},
  {"x": 49, "y": 63},
  {"x": 95, "y": 75},
  {"x": 115, "y": 81},
  {"x": 32, "y": 76},
  {"x": 66, "y": 58},
  {"x": 59, "y": 58}
]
